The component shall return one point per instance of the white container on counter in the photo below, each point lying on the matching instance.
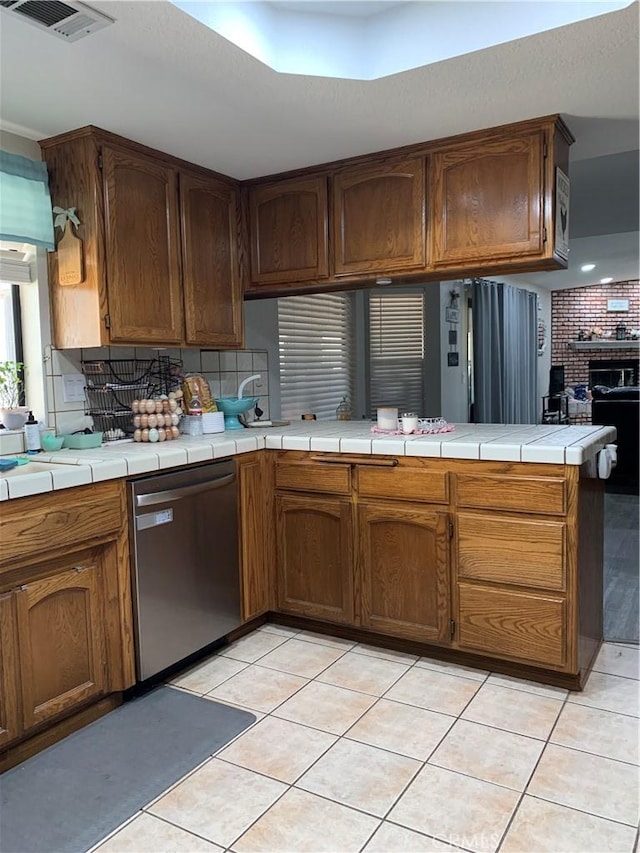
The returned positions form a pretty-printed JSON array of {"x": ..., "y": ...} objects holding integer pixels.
[
  {"x": 409, "y": 422},
  {"x": 387, "y": 418},
  {"x": 191, "y": 425},
  {"x": 212, "y": 422}
]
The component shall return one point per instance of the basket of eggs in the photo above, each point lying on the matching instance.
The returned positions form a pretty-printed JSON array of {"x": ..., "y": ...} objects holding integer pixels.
[{"x": 157, "y": 419}]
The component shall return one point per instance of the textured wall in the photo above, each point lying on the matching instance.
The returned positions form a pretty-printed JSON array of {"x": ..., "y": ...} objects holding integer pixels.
[
  {"x": 223, "y": 370},
  {"x": 583, "y": 308}
]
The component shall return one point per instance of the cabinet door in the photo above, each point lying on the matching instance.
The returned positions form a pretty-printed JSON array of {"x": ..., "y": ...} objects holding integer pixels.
[
  {"x": 257, "y": 534},
  {"x": 404, "y": 564},
  {"x": 61, "y": 637},
  {"x": 315, "y": 562},
  {"x": 527, "y": 626},
  {"x": 379, "y": 217},
  {"x": 142, "y": 248},
  {"x": 10, "y": 723},
  {"x": 210, "y": 272},
  {"x": 289, "y": 226},
  {"x": 487, "y": 201}
]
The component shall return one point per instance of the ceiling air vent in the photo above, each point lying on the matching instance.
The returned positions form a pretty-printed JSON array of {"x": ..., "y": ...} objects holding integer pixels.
[{"x": 69, "y": 21}]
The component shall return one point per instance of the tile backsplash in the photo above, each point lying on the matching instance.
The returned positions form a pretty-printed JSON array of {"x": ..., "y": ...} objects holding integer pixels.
[{"x": 223, "y": 370}]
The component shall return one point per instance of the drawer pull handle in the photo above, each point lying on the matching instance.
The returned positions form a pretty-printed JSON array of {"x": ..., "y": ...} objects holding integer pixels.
[
  {"x": 80, "y": 568},
  {"x": 351, "y": 460}
]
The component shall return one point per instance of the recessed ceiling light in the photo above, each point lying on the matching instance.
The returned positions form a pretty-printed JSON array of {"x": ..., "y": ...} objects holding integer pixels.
[
  {"x": 587, "y": 267},
  {"x": 606, "y": 280}
]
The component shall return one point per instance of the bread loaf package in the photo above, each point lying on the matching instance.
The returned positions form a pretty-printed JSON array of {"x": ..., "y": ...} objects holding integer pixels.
[{"x": 196, "y": 389}]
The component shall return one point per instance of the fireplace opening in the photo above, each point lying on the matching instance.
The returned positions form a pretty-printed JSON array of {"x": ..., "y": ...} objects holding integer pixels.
[{"x": 618, "y": 373}]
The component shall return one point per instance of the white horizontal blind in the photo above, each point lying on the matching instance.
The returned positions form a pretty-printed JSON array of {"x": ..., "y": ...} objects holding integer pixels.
[
  {"x": 396, "y": 351},
  {"x": 315, "y": 336}
]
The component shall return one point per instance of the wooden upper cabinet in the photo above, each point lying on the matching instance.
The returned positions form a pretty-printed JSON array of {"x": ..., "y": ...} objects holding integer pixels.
[
  {"x": 379, "y": 217},
  {"x": 211, "y": 277},
  {"x": 289, "y": 231},
  {"x": 142, "y": 248},
  {"x": 403, "y": 557},
  {"x": 487, "y": 200},
  {"x": 161, "y": 246},
  {"x": 61, "y": 632}
]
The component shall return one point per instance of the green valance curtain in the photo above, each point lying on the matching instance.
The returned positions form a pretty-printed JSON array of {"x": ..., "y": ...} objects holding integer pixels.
[{"x": 25, "y": 203}]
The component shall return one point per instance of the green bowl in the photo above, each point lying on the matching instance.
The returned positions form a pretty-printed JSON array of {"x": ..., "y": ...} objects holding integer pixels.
[
  {"x": 52, "y": 442},
  {"x": 82, "y": 441}
]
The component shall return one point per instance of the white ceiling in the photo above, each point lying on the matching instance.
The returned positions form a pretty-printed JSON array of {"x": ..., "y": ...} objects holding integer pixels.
[
  {"x": 362, "y": 41},
  {"x": 163, "y": 79}
]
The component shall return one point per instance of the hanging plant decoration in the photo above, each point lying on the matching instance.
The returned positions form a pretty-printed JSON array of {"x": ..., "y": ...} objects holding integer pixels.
[
  {"x": 69, "y": 248},
  {"x": 542, "y": 337}
]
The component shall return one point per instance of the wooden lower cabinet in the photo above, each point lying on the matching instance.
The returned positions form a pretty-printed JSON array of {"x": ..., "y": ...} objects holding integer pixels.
[
  {"x": 527, "y": 551},
  {"x": 461, "y": 554},
  {"x": 10, "y": 724},
  {"x": 257, "y": 538},
  {"x": 404, "y": 565},
  {"x": 530, "y": 627},
  {"x": 61, "y": 639},
  {"x": 315, "y": 556},
  {"x": 66, "y": 621}
]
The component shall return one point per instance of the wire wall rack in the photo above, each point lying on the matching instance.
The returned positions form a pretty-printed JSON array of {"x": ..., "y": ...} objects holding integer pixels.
[{"x": 113, "y": 384}]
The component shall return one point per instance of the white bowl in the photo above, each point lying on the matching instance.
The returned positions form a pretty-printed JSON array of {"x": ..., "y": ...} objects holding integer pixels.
[
  {"x": 14, "y": 418},
  {"x": 212, "y": 422}
]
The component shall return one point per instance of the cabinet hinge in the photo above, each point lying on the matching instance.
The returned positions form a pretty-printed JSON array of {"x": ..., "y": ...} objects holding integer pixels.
[
  {"x": 545, "y": 150},
  {"x": 100, "y": 162},
  {"x": 107, "y": 321},
  {"x": 451, "y": 530},
  {"x": 544, "y": 235},
  {"x": 453, "y": 628}
]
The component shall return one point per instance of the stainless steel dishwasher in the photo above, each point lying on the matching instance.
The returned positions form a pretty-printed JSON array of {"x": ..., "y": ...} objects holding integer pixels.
[{"x": 186, "y": 578}]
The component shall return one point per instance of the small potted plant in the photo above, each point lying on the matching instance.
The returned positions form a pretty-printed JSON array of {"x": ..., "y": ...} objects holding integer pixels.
[{"x": 12, "y": 414}]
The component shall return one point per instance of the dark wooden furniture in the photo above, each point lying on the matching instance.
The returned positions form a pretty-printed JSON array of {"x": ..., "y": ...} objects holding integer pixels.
[{"x": 620, "y": 407}]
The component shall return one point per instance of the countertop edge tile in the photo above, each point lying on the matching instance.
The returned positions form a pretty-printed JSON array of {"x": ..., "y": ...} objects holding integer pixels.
[
  {"x": 571, "y": 445},
  {"x": 30, "y": 484},
  {"x": 77, "y": 475}
]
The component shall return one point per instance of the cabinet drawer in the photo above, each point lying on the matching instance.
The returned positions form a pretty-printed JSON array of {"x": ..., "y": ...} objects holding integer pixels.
[
  {"x": 512, "y": 624},
  {"x": 521, "y": 494},
  {"x": 511, "y": 550},
  {"x": 411, "y": 484},
  {"x": 37, "y": 526},
  {"x": 314, "y": 477}
]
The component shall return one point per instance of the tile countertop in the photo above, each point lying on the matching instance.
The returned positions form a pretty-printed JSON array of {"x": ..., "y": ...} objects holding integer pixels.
[{"x": 570, "y": 445}]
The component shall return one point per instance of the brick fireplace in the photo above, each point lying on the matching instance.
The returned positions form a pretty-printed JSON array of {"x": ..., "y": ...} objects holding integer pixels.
[{"x": 582, "y": 309}]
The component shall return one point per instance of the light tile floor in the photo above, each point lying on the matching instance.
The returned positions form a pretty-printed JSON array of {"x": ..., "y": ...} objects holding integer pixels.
[{"x": 362, "y": 749}]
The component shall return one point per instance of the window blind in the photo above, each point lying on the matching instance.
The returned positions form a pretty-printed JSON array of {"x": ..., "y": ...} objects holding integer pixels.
[
  {"x": 315, "y": 335},
  {"x": 396, "y": 351},
  {"x": 25, "y": 203}
]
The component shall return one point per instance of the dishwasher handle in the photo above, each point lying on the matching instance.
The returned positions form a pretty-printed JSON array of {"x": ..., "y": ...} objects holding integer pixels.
[{"x": 183, "y": 492}]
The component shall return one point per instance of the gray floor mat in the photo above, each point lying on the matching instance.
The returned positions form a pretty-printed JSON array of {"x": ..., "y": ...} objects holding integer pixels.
[{"x": 68, "y": 797}]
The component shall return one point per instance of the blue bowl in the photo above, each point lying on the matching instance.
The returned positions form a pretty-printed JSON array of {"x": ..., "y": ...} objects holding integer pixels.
[
  {"x": 235, "y": 406},
  {"x": 232, "y": 407}
]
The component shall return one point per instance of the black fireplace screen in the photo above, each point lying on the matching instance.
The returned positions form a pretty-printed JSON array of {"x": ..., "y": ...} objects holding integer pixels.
[{"x": 613, "y": 373}]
